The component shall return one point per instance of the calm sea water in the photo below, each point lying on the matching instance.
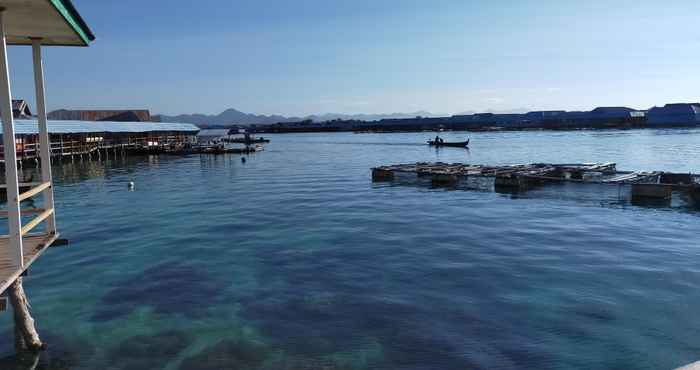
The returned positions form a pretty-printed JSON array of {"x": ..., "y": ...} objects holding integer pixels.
[{"x": 296, "y": 260}]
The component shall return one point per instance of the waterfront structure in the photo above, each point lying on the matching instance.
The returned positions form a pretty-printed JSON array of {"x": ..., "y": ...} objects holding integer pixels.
[
  {"x": 37, "y": 23},
  {"x": 635, "y": 185},
  {"x": 601, "y": 117},
  {"x": 678, "y": 114},
  {"x": 127, "y": 115},
  {"x": 68, "y": 138}
]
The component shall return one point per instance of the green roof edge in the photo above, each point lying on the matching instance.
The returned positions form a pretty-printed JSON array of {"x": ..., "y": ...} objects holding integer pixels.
[{"x": 73, "y": 18}]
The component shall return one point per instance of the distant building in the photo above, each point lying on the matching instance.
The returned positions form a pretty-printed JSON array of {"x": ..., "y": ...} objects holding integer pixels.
[
  {"x": 127, "y": 115},
  {"x": 678, "y": 114},
  {"x": 599, "y": 118},
  {"x": 605, "y": 117},
  {"x": 541, "y": 116},
  {"x": 613, "y": 112},
  {"x": 20, "y": 109}
]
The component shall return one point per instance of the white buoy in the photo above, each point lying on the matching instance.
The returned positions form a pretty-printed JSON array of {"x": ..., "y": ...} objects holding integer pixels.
[{"x": 131, "y": 185}]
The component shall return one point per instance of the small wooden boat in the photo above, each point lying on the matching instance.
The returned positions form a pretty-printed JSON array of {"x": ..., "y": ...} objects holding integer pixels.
[
  {"x": 220, "y": 149},
  {"x": 460, "y": 144}
]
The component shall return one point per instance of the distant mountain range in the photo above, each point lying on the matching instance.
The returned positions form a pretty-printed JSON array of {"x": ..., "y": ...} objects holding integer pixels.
[{"x": 235, "y": 117}]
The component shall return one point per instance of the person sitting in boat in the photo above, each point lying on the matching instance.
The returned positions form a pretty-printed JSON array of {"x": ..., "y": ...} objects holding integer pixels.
[{"x": 437, "y": 139}]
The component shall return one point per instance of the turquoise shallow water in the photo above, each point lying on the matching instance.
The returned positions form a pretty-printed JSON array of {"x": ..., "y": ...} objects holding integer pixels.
[{"x": 296, "y": 260}]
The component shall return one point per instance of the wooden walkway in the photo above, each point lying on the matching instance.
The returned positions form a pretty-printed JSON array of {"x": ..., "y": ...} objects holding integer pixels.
[{"x": 33, "y": 246}]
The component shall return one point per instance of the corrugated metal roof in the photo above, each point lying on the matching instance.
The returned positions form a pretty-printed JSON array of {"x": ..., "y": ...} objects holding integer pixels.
[{"x": 28, "y": 127}]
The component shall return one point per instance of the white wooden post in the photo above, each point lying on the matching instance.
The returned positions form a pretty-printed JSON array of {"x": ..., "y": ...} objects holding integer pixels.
[
  {"x": 8, "y": 138},
  {"x": 44, "y": 140}
]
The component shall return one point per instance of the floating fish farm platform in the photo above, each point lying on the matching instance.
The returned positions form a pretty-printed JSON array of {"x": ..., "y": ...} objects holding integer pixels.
[{"x": 524, "y": 177}]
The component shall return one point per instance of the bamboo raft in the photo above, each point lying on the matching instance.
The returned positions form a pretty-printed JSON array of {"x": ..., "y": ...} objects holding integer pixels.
[{"x": 523, "y": 177}]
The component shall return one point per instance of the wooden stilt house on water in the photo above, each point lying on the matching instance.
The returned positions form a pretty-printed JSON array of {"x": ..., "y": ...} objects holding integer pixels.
[
  {"x": 69, "y": 138},
  {"x": 36, "y": 23},
  {"x": 39, "y": 23}
]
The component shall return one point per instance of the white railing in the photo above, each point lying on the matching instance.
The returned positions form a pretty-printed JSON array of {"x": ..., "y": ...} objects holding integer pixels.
[{"x": 43, "y": 214}]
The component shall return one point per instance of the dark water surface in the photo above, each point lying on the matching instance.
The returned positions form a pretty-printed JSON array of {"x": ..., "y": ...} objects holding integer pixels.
[{"x": 295, "y": 260}]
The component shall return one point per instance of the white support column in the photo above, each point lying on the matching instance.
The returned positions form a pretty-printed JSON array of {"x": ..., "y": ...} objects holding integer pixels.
[
  {"x": 8, "y": 138},
  {"x": 44, "y": 140}
]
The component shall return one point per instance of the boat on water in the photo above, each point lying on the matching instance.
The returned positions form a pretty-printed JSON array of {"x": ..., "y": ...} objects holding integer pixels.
[
  {"x": 225, "y": 149},
  {"x": 247, "y": 138},
  {"x": 208, "y": 148},
  {"x": 242, "y": 140},
  {"x": 455, "y": 144}
]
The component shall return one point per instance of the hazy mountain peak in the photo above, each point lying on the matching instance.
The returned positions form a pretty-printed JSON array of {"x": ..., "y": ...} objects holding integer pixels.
[{"x": 233, "y": 116}]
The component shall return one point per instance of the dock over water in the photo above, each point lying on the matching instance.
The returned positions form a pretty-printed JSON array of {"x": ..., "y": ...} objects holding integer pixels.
[
  {"x": 33, "y": 246},
  {"x": 523, "y": 177}
]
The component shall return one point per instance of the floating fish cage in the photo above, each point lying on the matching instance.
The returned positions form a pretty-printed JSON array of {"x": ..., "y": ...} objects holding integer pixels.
[{"x": 594, "y": 182}]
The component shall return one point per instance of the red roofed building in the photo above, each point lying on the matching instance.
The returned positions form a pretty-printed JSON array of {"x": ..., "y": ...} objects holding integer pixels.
[{"x": 127, "y": 115}]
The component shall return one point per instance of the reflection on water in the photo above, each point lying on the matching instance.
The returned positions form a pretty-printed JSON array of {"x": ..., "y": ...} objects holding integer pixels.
[{"x": 295, "y": 260}]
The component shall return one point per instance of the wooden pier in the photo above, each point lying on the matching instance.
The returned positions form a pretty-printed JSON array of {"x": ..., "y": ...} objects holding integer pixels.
[
  {"x": 518, "y": 178},
  {"x": 33, "y": 245},
  {"x": 35, "y": 23},
  {"x": 99, "y": 146}
]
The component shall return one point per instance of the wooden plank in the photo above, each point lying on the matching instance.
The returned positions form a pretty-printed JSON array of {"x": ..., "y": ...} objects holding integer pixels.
[
  {"x": 34, "y": 245},
  {"x": 36, "y": 221},
  {"x": 34, "y": 191}
]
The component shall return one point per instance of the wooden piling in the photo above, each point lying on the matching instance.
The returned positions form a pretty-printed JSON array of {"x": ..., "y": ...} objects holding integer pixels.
[{"x": 26, "y": 336}]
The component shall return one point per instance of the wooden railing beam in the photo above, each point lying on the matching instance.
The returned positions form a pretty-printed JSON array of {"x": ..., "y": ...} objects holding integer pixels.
[
  {"x": 34, "y": 191},
  {"x": 36, "y": 221}
]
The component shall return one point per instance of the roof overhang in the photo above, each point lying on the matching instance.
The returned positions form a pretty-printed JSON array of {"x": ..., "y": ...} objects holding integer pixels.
[{"x": 55, "y": 22}]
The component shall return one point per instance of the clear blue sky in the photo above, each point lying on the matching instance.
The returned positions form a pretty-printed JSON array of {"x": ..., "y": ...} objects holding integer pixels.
[{"x": 373, "y": 56}]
